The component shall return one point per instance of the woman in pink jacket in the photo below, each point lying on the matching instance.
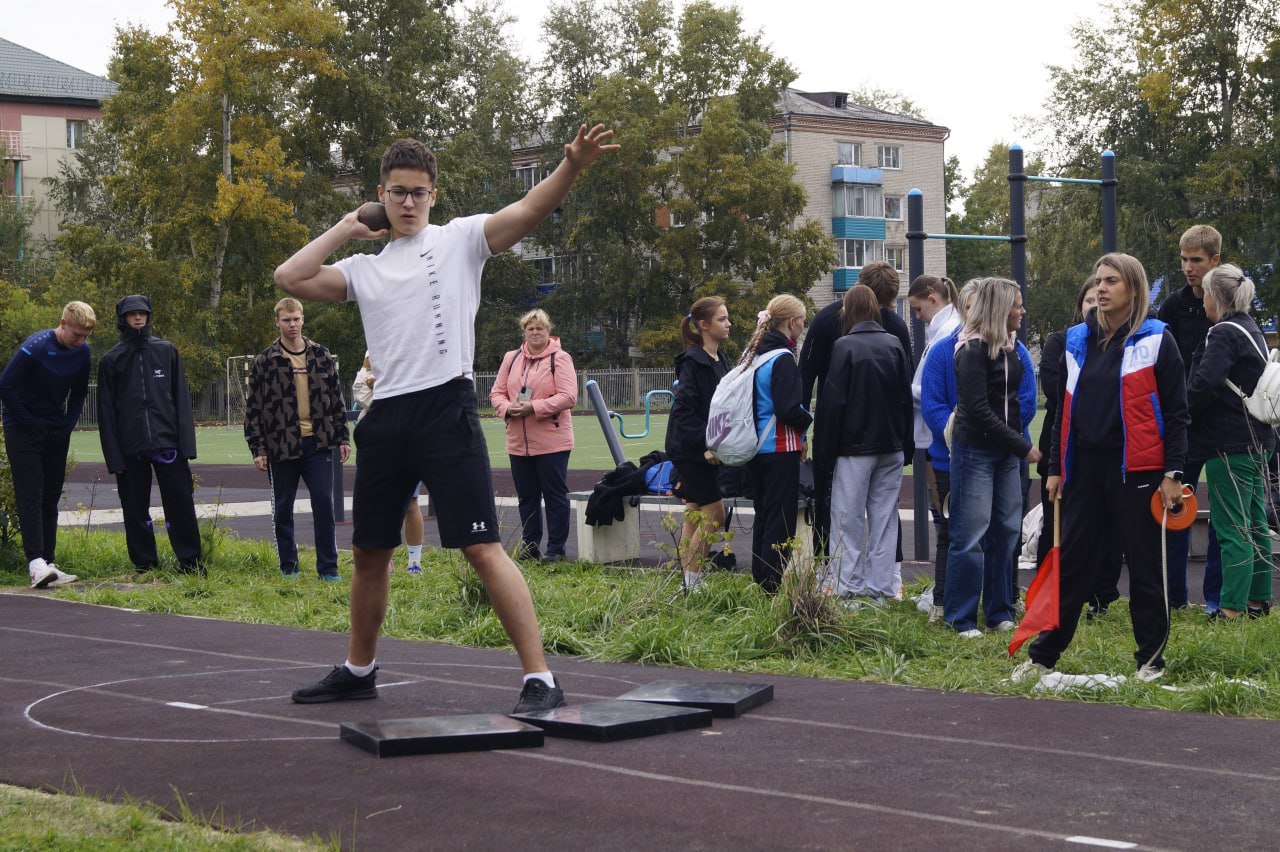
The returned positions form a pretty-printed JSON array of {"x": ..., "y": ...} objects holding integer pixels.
[{"x": 534, "y": 393}]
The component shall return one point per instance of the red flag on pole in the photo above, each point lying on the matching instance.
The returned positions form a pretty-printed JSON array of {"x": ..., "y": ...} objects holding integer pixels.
[{"x": 1042, "y": 596}]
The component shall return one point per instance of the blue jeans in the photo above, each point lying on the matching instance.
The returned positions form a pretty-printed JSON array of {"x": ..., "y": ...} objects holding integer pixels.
[
  {"x": 985, "y": 525},
  {"x": 315, "y": 468}
]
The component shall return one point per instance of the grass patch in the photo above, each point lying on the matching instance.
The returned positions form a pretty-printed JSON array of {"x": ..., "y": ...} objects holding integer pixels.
[
  {"x": 30, "y": 819},
  {"x": 624, "y": 615}
]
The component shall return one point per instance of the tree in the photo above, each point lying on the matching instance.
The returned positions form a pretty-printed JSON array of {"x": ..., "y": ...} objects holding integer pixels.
[
  {"x": 699, "y": 200},
  {"x": 887, "y": 100},
  {"x": 1190, "y": 112}
]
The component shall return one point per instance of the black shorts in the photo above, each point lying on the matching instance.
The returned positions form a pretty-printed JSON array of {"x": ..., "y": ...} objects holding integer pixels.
[
  {"x": 699, "y": 482},
  {"x": 433, "y": 437}
]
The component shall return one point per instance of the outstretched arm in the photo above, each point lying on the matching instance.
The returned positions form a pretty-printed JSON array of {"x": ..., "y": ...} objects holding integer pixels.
[
  {"x": 304, "y": 275},
  {"x": 516, "y": 221}
]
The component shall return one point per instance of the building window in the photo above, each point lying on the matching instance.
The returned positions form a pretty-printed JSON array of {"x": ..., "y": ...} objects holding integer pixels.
[
  {"x": 896, "y": 257},
  {"x": 848, "y": 154},
  {"x": 853, "y": 199},
  {"x": 530, "y": 176},
  {"x": 893, "y": 207},
  {"x": 890, "y": 156},
  {"x": 75, "y": 133},
  {"x": 858, "y": 253}
]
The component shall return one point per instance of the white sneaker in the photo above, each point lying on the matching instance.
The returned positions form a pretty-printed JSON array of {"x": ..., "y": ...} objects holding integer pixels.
[
  {"x": 1003, "y": 627},
  {"x": 924, "y": 600},
  {"x": 1028, "y": 671},
  {"x": 42, "y": 574},
  {"x": 975, "y": 633},
  {"x": 1148, "y": 673},
  {"x": 62, "y": 578}
]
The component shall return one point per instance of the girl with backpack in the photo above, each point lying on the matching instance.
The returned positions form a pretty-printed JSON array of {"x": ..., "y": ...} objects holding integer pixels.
[
  {"x": 698, "y": 370},
  {"x": 781, "y": 421},
  {"x": 987, "y": 444},
  {"x": 534, "y": 392},
  {"x": 1235, "y": 445}
]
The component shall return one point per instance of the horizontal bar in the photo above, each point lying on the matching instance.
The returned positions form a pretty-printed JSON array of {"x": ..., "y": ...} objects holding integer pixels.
[
  {"x": 975, "y": 237},
  {"x": 1090, "y": 181}
]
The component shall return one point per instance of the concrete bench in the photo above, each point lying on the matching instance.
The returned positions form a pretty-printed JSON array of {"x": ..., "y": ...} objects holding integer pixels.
[{"x": 620, "y": 541}]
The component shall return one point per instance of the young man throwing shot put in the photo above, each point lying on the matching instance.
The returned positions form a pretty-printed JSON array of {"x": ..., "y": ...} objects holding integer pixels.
[{"x": 418, "y": 300}]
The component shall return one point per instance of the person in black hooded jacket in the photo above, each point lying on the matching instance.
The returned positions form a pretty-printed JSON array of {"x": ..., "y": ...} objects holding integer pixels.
[{"x": 145, "y": 424}]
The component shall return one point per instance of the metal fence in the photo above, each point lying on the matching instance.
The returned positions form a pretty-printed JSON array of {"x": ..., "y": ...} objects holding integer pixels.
[
  {"x": 623, "y": 389},
  {"x": 208, "y": 404}
]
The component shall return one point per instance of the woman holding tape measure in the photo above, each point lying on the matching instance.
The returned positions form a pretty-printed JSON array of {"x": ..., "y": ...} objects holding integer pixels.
[
  {"x": 1235, "y": 445},
  {"x": 1120, "y": 438}
]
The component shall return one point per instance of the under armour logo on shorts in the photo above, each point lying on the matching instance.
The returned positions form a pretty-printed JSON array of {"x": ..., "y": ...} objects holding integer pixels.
[{"x": 478, "y": 526}]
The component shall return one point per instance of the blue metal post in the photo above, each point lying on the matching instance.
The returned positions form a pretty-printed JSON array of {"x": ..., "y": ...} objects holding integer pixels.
[
  {"x": 1018, "y": 226},
  {"x": 915, "y": 268},
  {"x": 1109, "y": 184}
]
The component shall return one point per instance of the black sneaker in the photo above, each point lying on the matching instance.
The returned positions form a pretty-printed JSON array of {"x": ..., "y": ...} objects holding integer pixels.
[
  {"x": 339, "y": 685},
  {"x": 536, "y": 696}
]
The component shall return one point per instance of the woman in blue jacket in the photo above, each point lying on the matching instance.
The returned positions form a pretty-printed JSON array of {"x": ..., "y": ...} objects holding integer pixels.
[
  {"x": 781, "y": 421},
  {"x": 699, "y": 370}
]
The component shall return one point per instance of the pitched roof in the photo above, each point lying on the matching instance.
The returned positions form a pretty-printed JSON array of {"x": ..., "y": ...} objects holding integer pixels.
[
  {"x": 837, "y": 105},
  {"x": 33, "y": 76}
]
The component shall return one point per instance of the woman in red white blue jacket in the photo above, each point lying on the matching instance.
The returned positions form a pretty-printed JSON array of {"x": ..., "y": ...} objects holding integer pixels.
[{"x": 1121, "y": 436}]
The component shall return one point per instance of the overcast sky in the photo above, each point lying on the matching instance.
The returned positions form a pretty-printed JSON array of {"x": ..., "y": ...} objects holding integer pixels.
[{"x": 965, "y": 64}]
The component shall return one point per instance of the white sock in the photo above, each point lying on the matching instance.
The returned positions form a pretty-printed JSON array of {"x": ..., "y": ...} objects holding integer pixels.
[
  {"x": 545, "y": 677},
  {"x": 360, "y": 671},
  {"x": 692, "y": 579},
  {"x": 415, "y": 554},
  {"x": 37, "y": 565}
]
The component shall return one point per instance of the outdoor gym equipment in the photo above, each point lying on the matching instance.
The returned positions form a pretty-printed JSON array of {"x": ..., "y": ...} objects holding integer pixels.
[
  {"x": 1017, "y": 240},
  {"x": 603, "y": 416}
]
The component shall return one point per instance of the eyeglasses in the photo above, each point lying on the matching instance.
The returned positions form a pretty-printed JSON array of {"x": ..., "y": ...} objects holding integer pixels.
[{"x": 398, "y": 194}]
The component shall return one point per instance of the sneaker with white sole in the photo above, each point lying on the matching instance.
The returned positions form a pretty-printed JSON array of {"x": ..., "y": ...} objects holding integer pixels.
[
  {"x": 975, "y": 633},
  {"x": 42, "y": 576},
  {"x": 1148, "y": 673},
  {"x": 414, "y": 568},
  {"x": 1028, "y": 671},
  {"x": 1003, "y": 627},
  {"x": 62, "y": 578}
]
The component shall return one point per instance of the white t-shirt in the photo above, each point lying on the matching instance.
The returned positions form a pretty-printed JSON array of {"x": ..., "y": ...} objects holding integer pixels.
[{"x": 418, "y": 299}]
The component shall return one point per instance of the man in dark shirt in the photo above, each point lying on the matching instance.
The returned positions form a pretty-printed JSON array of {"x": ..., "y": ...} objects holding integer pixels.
[
  {"x": 145, "y": 424},
  {"x": 1200, "y": 248},
  {"x": 43, "y": 389}
]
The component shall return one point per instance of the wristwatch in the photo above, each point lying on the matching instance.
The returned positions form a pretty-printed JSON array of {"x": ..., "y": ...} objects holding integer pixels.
[{"x": 1175, "y": 475}]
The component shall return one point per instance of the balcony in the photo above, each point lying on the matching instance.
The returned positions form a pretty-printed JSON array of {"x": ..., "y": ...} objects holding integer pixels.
[{"x": 15, "y": 145}]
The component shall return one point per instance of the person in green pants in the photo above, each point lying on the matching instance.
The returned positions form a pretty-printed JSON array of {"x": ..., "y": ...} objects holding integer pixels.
[{"x": 1234, "y": 350}]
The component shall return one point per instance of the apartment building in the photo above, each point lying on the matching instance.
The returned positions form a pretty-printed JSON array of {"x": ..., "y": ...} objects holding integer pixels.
[
  {"x": 45, "y": 106},
  {"x": 857, "y": 165}
]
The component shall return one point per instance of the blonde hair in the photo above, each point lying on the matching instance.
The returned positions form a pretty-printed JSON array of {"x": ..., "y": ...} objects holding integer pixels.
[
  {"x": 1135, "y": 279},
  {"x": 989, "y": 318},
  {"x": 1201, "y": 237},
  {"x": 970, "y": 286},
  {"x": 288, "y": 303},
  {"x": 536, "y": 314},
  {"x": 1230, "y": 288},
  {"x": 780, "y": 309},
  {"x": 79, "y": 314}
]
